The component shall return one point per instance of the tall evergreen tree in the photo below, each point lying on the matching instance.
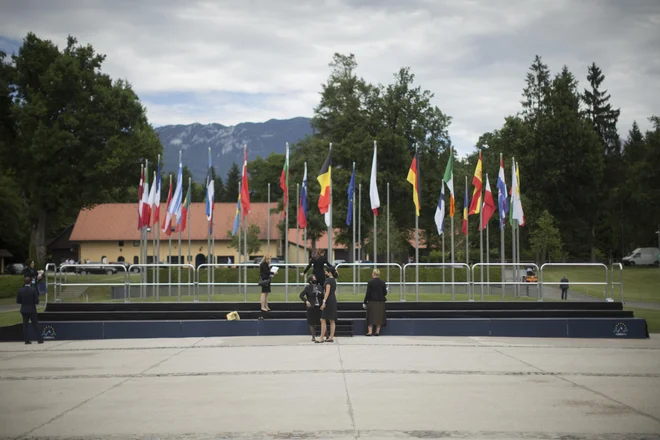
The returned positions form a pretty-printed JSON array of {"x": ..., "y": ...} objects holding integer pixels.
[{"x": 231, "y": 184}]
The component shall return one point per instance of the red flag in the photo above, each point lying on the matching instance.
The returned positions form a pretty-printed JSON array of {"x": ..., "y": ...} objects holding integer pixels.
[
  {"x": 284, "y": 176},
  {"x": 140, "y": 192},
  {"x": 488, "y": 206},
  {"x": 245, "y": 191},
  {"x": 167, "y": 229},
  {"x": 475, "y": 206}
]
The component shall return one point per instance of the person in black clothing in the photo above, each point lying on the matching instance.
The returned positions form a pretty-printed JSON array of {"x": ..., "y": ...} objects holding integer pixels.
[
  {"x": 30, "y": 272},
  {"x": 265, "y": 276},
  {"x": 28, "y": 298},
  {"x": 564, "y": 288},
  {"x": 329, "y": 306},
  {"x": 318, "y": 263},
  {"x": 312, "y": 297},
  {"x": 374, "y": 303}
]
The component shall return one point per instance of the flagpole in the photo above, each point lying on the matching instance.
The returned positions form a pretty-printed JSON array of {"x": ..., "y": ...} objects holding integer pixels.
[
  {"x": 245, "y": 258},
  {"x": 189, "y": 259},
  {"x": 156, "y": 258},
  {"x": 388, "y": 232},
  {"x": 359, "y": 219},
  {"x": 238, "y": 250},
  {"x": 451, "y": 232},
  {"x": 518, "y": 249},
  {"x": 481, "y": 242},
  {"x": 330, "y": 257},
  {"x": 268, "y": 220},
  {"x": 178, "y": 259},
  {"x": 297, "y": 231},
  {"x": 417, "y": 232},
  {"x": 209, "y": 225},
  {"x": 467, "y": 241},
  {"x": 375, "y": 241},
  {"x": 513, "y": 235},
  {"x": 353, "y": 260},
  {"x": 502, "y": 232},
  {"x": 145, "y": 240},
  {"x": 157, "y": 246},
  {"x": 487, "y": 245},
  {"x": 286, "y": 227},
  {"x": 443, "y": 253}
]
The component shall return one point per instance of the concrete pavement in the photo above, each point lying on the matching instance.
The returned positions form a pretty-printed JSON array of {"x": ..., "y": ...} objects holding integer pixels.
[{"x": 287, "y": 387}]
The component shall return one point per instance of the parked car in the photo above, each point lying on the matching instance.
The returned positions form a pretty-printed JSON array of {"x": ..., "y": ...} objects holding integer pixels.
[
  {"x": 15, "y": 269},
  {"x": 338, "y": 262},
  {"x": 96, "y": 268},
  {"x": 643, "y": 257},
  {"x": 128, "y": 266}
]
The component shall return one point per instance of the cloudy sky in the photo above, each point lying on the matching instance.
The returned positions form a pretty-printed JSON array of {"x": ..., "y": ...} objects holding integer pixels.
[{"x": 253, "y": 60}]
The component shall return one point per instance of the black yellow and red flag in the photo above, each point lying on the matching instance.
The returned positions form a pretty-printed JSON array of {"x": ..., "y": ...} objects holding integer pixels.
[
  {"x": 413, "y": 179},
  {"x": 475, "y": 206},
  {"x": 325, "y": 180}
]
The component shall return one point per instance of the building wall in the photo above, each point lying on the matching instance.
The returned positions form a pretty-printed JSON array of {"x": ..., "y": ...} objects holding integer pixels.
[
  {"x": 130, "y": 251},
  {"x": 302, "y": 258}
]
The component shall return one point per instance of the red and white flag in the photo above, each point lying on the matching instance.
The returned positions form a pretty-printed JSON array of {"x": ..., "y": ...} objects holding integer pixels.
[
  {"x": 152, "y": 201},
  {"x": 373, "y": 187},
  {"x": 156, "y": 206},
  {"x": 146, "y": 207}
]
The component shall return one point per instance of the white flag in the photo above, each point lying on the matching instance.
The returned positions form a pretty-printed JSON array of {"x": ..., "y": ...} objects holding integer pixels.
[
  {"x": 373, "y": 187},
  {"x": 516, "y": 204},
  {"x": 440, "y": 211}
]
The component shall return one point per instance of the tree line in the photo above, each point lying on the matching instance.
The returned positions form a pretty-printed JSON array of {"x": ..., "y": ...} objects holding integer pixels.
[{"x": 71, "y": 137}]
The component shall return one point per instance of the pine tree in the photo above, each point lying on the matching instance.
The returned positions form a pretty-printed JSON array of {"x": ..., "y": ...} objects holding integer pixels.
[{"x": 231, "y": 184}]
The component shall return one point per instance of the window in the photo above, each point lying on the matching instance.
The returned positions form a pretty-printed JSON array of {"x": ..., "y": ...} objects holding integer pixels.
[
  {"x": 136, "y": 260},
  {"x": 120, "y": 243},
  {"x": 104, "y": 259},
  {"x": 120, "y": 259}
]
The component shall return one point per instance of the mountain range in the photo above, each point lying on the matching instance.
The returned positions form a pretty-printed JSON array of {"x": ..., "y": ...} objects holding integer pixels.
[{"x": 226, "y": 143}]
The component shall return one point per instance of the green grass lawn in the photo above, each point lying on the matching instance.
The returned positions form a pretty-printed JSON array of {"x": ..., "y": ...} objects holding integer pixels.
[
  {"x": 639, "y": 283},
  {"x": 652, "y": 318}
]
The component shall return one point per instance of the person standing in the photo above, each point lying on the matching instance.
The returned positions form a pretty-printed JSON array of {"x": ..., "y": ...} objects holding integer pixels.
[
  {"x": 374, "y": 303},
  {"x": 28, "y": 298},
  {"x": 265, "y": 276},
  {"x": 31, "y": 272},
  {"x": 329, "y": 306},
  {"x": 318, "y": 264},
  {"x": 312, "y": 297},
  {"x": 564, "y": 288}
]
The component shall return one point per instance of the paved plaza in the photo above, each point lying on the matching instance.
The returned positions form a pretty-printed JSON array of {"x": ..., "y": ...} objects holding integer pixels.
[{"x": 287, "y": 387}]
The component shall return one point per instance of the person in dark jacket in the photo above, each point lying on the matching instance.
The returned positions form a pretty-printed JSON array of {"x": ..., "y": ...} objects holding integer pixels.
[
  {"x": 318, "y": 264},
  {"x": 31, "y": 272},
  {"x": 312, "y": 297},
  {"x": 265, "y": 276},
  {"x": 28, "y": 298},
  {"x": 564, "y": 287},
  {"x": 374, "y": 303},
  {"x": 329, "y": 305}
]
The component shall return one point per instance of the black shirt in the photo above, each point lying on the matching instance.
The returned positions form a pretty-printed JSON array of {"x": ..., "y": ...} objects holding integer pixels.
[
  {"x": 376, "y": 290},
  {"x": 264, "y": 270},
  {"x": 312, "y": 293},
  {"x": 318, "y": 265},
  {"x": 333, "y": 287}
]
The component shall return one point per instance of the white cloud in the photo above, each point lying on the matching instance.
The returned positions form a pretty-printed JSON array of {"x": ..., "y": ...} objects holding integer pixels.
[{"x": 472, "y": 54}]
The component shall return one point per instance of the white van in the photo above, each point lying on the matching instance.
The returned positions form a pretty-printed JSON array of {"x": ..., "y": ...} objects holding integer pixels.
[{"x": 643, "y": 257}]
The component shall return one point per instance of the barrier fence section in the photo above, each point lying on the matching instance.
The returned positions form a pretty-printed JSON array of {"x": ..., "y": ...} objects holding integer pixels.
[
  {"x": 156, "y": 285},
  {"x": 503, "y": 283},
  {"x": 356, "y": 283},
  {"x": 443, "y": 283},
  {"x": 85, "y": 269},
  {"x": 578, "y": 283},
  {"x": 237, "y": 287},
  {"x": 620, "y": 283},
  {"x": 47, "y": 278}
]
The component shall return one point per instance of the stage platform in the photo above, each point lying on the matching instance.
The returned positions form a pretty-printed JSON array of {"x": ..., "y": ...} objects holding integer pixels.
[{"x": 71, "y": 321}]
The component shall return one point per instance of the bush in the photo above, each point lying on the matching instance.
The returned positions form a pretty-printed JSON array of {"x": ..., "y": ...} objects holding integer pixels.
[{"x": 9, "y": 285}]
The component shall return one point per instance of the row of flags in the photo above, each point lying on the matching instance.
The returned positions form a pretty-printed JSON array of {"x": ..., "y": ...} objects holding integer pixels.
[{"x": 482, "y": 200}]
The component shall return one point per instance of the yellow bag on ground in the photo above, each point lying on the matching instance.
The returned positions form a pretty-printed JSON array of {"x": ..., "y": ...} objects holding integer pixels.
[{"x": 233, "y": 316}]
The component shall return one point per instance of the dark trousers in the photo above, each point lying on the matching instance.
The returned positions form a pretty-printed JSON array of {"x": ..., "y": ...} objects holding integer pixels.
[
  {"x": 35, "y": 325},
  {"x": 564, "y": 293}
]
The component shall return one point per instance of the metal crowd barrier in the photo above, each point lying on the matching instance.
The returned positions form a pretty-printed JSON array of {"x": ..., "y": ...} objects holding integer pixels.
[
  {"x": 620, "y": 283},
  {"x": 451, "y": 283},
  {"x": 210, "y": 281},
  {"x": 156, "y": 285},
  {"x": 356, "y": 283},
  {"x": 83, "y": 272},
  {"x": 46, "y": 278},
  {"x": 578, "y": 283},
  {"x": 503, "y": 282}
]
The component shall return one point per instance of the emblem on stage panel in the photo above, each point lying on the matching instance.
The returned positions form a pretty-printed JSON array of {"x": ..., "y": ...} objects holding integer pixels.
[
  {"x": 48, "y": 332},
  {"x": 620, "y": 329}
]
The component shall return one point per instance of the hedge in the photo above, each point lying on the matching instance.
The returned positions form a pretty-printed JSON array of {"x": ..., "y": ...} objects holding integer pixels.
[{"x": 9, "y": 285}]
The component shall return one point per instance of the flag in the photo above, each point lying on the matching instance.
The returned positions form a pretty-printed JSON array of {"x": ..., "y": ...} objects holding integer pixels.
[
  {"x": 465, "y": 212},
  {"x": 302, "y": 206},
  {"x": 285, "y": 175},
  {"x": 516, "y": 204},
  {"x": 373, "y": 187},
  {"x": 501, "y": 193},
  {"x": 167, "y": 226},
  {"x": 140, "y": 192},
  {"x": 325, "y": 180},
  {"x": 210, "y": 194},
  {"x": 158, "y": 183},
  {"x": 475, "y": 206},
  {"x": 152, "y": 200},
  {"x": 413, "y": 179},
  {"x": 448, "y": 178},
  {"x": 185, "y": 209},
  {"x": 174, "y": 207},
  {"x": 351, "y": 193},
  {"x": 440, "y": 211},
  {"x": 522, "y": 213},
  {"x": 237, "y": 216},
  {"x": 245, "y": 190},
  {"x": 146, "y": 207},
  {"x": 489, "y": 206}
]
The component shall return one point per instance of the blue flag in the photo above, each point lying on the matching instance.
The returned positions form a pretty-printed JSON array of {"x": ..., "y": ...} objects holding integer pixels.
[
  {"x": 351, "y": 191},
  {"x": 237, "y": 216}
]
